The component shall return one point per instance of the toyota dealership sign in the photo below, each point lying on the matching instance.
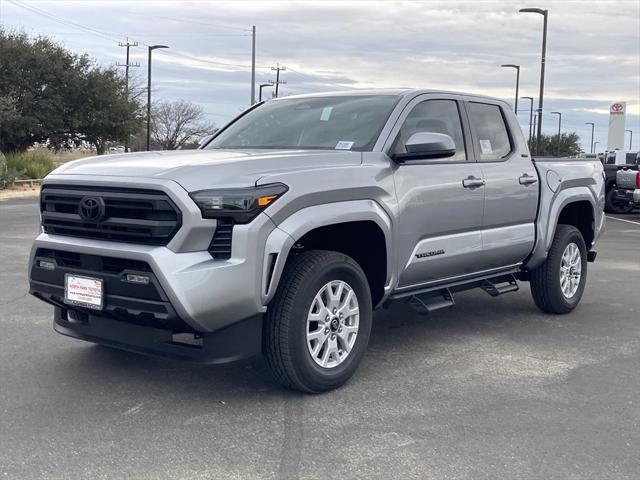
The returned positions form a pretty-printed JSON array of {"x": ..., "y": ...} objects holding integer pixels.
[
  {"x": 616, "y": 125},
  {"x": 617, "y": 108}
]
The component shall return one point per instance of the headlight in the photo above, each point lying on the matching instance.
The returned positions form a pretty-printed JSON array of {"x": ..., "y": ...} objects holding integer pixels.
[{"x": 240, "y": 204}]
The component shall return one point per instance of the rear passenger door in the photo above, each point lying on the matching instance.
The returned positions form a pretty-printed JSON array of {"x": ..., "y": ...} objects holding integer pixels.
[
  {"x": 511, "y": 184},
  {"x": 440, "y": 201}
]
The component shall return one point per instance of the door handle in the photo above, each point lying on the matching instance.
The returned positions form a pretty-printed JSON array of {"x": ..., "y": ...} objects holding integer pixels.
[
  {"x": 473, "y": 182},
  {"x": 527, "y": 179}
]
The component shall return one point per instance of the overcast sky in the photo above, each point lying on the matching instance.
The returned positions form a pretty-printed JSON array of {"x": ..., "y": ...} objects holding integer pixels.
[{"x": 593, "y": 53}]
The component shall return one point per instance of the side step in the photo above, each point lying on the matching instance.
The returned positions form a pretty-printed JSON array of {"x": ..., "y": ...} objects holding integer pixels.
[
  {"x": 430, "y": 302},
  {"x": 507, "y": 284}
]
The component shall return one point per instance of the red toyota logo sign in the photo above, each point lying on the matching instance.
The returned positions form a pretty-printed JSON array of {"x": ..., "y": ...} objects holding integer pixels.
[{"x": 617, "y": 108}]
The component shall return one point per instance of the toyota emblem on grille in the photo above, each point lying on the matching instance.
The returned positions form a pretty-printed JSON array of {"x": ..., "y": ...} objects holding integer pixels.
[{"x": 91, "y": 209}]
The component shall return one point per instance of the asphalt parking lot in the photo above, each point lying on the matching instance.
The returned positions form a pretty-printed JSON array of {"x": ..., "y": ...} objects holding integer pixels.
[{"x": 492, "y": 389}]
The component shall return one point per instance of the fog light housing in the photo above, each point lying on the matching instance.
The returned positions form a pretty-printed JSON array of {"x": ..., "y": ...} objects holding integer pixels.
[
  {"x": 138, "y": 279},
  {"x": 46, "y": 264}
]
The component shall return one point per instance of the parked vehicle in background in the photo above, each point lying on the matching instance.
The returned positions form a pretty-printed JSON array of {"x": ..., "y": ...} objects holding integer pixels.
[
  {"x": 303, "y": 215},
  {"x": 615, "y": 161},
  {"x": 628, "y": 185}
]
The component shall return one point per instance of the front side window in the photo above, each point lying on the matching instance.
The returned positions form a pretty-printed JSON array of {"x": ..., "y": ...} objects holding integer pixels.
[
  {"x": 492, "y": 138},
  {"x": 339, "y": 122},
  {"x": 434, "y": 116}
]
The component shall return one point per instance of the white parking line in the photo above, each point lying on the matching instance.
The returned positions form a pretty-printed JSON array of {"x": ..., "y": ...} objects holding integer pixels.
[{"x": 623, "y": 220}]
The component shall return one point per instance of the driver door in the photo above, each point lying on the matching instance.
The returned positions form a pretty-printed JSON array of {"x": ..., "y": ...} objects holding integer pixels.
[{"x": 441, "y": 201}]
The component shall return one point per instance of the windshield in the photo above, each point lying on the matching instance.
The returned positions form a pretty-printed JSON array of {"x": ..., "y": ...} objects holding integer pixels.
[{"x": 340, "y": 122}]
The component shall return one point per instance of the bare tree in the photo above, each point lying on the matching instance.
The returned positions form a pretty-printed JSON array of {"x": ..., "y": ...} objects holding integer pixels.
[{"x": 177, "y": 124}]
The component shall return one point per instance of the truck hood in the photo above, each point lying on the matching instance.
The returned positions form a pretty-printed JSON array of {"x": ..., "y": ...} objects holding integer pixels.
[{"x": 200, "y": 169}]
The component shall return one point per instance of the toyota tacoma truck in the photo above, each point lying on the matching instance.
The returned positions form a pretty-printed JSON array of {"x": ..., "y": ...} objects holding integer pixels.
[
  {"x": 628, "y": 187},
  {"x": 615, "y": 161},
  {"x": 299, "y": 218}
]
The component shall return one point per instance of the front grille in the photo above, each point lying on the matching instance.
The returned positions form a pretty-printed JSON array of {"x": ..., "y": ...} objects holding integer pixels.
[
  {"x": 220, "y": 247},
  {"x": 130, "y": 215}
]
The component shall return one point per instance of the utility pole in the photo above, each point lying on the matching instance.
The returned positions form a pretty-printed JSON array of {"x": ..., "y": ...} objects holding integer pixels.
[
  {"x": 151, "y": 48},
  {"x": 126, "y": 66},
  {"x": 535, "y": 135},
  {"x": 262, "y": 85},
  {"x": 279, "y": 68},
  {"x": 253, "y": 65},
  {"x": 543, "y": 60},
  {"x": 517, "y": 67},
  {"x": 592, "y": 128},
  {"x": 530, "y": 117},
  {"x": 559, "y": 129}
]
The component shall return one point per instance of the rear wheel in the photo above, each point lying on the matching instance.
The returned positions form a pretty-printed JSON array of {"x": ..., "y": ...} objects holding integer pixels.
[
  {"x": 318, "y": 323},
  {"x": 557, "y": 285},
  {"x": 614, "y": 205}
]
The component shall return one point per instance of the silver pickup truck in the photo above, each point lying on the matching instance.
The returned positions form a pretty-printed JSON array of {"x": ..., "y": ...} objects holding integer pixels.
[
  {"x": 303, "y": 215},
  {"x": 628, "y": 186}
]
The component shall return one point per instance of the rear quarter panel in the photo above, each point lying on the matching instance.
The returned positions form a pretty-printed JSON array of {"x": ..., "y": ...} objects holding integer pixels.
[{"x": 564, "y": 181}]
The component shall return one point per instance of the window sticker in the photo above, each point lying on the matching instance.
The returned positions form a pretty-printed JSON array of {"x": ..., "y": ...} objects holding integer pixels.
[
  {"x": 485, "y": 147},
  {"x": 326, "y": 114},
  {"x": 342, "y": 145}
]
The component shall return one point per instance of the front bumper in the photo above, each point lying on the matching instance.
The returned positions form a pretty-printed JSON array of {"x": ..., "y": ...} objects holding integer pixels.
[
  {"x": 631, "y": 196},
  {"x": 206, "y": 294},
  {"x": 238, "y": 341}
]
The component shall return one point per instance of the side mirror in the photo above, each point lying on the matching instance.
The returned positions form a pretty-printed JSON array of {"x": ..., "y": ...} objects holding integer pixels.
[{"x": 427, "y": 146}]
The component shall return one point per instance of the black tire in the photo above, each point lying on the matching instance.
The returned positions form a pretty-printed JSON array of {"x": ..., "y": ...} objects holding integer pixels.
[
  {"x": 613, "y": 205},
  {"x": 285, "y": 342},
  {"x": 545, "y": 280}
]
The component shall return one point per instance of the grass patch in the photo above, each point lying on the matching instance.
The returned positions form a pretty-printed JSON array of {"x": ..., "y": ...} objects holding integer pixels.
[{"x": 34, "y": 164}]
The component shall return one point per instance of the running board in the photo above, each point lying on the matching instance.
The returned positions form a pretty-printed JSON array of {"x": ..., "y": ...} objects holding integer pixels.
[
  {"x": 430, "y": 302},
  {"x": 507, "y": 284}
]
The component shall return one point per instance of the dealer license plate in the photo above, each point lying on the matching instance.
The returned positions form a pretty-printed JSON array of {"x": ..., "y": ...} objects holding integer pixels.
[{"x": 83, "y": 291}]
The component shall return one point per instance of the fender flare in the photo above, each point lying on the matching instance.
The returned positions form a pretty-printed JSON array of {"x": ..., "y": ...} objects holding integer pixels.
[
  {"x": 294, "y": 227},
  {"x": 545, "y": 231}
]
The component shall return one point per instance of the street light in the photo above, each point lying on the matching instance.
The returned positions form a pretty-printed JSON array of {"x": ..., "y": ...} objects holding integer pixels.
[
  {"x": 594, "y": 147},
  {"x": 545, "y": 14},
  {"x": 592, "y": 127},
  {"x": 517, "y": 67},
  {"x": 559, "y": 127},
  {"x": 630, "y": 138},
  {"x": 530, "y": 116},
  {"x": 151, "y": 48},
  {"x": 262, "y": 85}
]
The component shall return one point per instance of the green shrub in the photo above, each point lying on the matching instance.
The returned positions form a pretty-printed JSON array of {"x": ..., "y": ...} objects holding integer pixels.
[
  {"x": 34, "y": 164},
  {"x": 7, "y": 175}
]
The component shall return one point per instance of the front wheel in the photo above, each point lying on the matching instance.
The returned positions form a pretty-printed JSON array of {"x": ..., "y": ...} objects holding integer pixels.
[
  {"x": 318, "y": 323},
  {"x": 557, "y": 285}
]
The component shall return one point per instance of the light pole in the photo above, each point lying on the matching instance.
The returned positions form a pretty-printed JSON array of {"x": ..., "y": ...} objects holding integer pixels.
[
  {"x": 517, "y": 67},
  {"x": 630, "y": 138},
  {"x": 592, "y": 127},
  {"x": 594, "y": 147},
  {"x": 151, "y": 49},
  {"x": 545, "y": 14},
  {"x": 559, "y": 128},
  {"x": 253, "y": 65},
  {"x": 530, "y": 116},
  {"x": 262, "y": 85}
]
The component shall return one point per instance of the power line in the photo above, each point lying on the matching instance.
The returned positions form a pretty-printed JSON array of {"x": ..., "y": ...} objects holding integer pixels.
[
  {"x": 182, "y": 20},
  {"x": 320, "y": 81},
  {"x": 107, "y": 36},
  {"x": 55, "y": 18}
]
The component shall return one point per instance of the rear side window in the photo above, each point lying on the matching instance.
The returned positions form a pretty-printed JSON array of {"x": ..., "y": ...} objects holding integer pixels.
[
  {"x": 492, "y": 137},
  {"x": 631, "y": 158}
]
